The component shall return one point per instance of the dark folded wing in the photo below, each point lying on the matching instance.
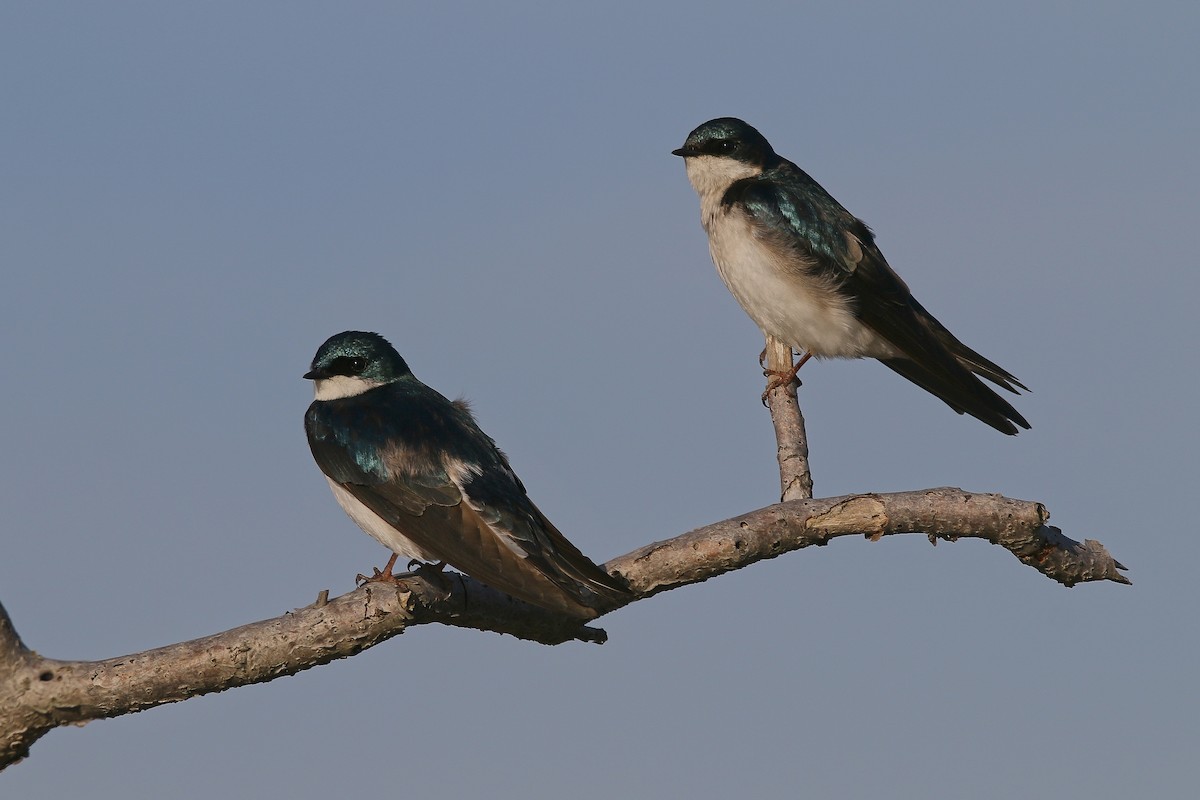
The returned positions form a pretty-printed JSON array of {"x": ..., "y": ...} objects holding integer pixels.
[
  {"x": 487, "y": 528},
  {"x": 496, "y": 497},
  {"x": 794, "y": 212},
  {"x": 459, "y": 536}
]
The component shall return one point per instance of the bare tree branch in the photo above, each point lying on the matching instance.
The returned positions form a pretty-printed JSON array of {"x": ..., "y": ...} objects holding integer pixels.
[
  {"x": 941, "y": 514},
  {"x": 38, "y": 694}
]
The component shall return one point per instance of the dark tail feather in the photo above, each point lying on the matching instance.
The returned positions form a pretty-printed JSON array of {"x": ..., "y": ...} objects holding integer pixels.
[
  {"x": 585, "y": 581},
  {"x": 962, "y": 391},
  {"x": 968, "y": 358},
  {"x": 985, "y": 368}
]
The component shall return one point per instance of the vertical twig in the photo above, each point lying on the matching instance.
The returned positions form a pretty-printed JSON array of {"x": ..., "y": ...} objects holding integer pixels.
[{"x": 795, "y": 480}]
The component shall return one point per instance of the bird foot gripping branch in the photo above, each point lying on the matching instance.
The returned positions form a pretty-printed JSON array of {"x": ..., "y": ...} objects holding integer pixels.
[{"x": 780, "y": 378}]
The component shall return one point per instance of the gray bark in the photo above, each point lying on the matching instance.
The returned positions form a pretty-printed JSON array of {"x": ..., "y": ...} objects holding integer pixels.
[{"x": 38, "y": 694}]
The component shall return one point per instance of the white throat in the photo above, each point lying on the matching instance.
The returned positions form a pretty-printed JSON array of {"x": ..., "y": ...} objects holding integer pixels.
[
  {"x": 710, "y": 176},
  {"x": 340, "y": 386}
]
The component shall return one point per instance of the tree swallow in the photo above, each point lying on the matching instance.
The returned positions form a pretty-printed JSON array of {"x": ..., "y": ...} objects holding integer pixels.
[
  {"x": 807, "y": 271},
  {"x": 414, "y": 470}
]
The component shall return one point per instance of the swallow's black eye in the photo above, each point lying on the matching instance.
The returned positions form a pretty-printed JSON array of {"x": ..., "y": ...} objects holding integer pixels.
[
  {"x": 348, "y": 365},
  {"x": 726, "y": 146}
]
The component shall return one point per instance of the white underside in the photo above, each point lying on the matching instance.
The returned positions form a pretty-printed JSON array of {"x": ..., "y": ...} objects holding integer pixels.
[
  {"x": 794, "y": 307},
  {"x": 784, "y": 299},
  {"x": 373, "y": 524}
]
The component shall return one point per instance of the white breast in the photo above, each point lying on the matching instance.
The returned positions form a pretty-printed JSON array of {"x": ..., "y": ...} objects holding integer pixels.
[
  {"x": 794, "y": 307},
  {"x": 783, "y": 298}
]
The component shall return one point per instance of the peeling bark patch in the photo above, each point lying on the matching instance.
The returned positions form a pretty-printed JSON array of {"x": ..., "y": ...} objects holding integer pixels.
[{"x": 865, "y": 515}]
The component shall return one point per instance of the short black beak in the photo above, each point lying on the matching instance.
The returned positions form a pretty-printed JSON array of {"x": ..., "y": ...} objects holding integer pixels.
[
  {"x": 315, "y": 375},
  {"x": 684, "y": 152}
]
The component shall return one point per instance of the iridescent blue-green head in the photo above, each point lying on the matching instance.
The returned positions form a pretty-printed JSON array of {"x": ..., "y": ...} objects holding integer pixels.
[
  {"x": 353, "y": 362},
  {"x": 728, "y": 137}
]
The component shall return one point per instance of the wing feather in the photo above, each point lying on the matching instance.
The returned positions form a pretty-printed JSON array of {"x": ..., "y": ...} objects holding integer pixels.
[
  {"x": 793, "y": 212},
  {"x": 446, "y": 487}
]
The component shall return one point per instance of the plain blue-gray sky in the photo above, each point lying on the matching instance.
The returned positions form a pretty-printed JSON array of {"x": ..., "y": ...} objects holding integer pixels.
[{"x": 193, "y": 197}]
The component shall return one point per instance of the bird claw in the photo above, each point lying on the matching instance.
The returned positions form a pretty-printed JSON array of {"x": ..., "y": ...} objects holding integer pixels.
[
  {"x": 419, "y": 569},
  {"x": 416, "y": 569},
  {"x": 780, "y": 377},
  {"x": 380, "y": 575},
  {"x": 432, "y": 573}
]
